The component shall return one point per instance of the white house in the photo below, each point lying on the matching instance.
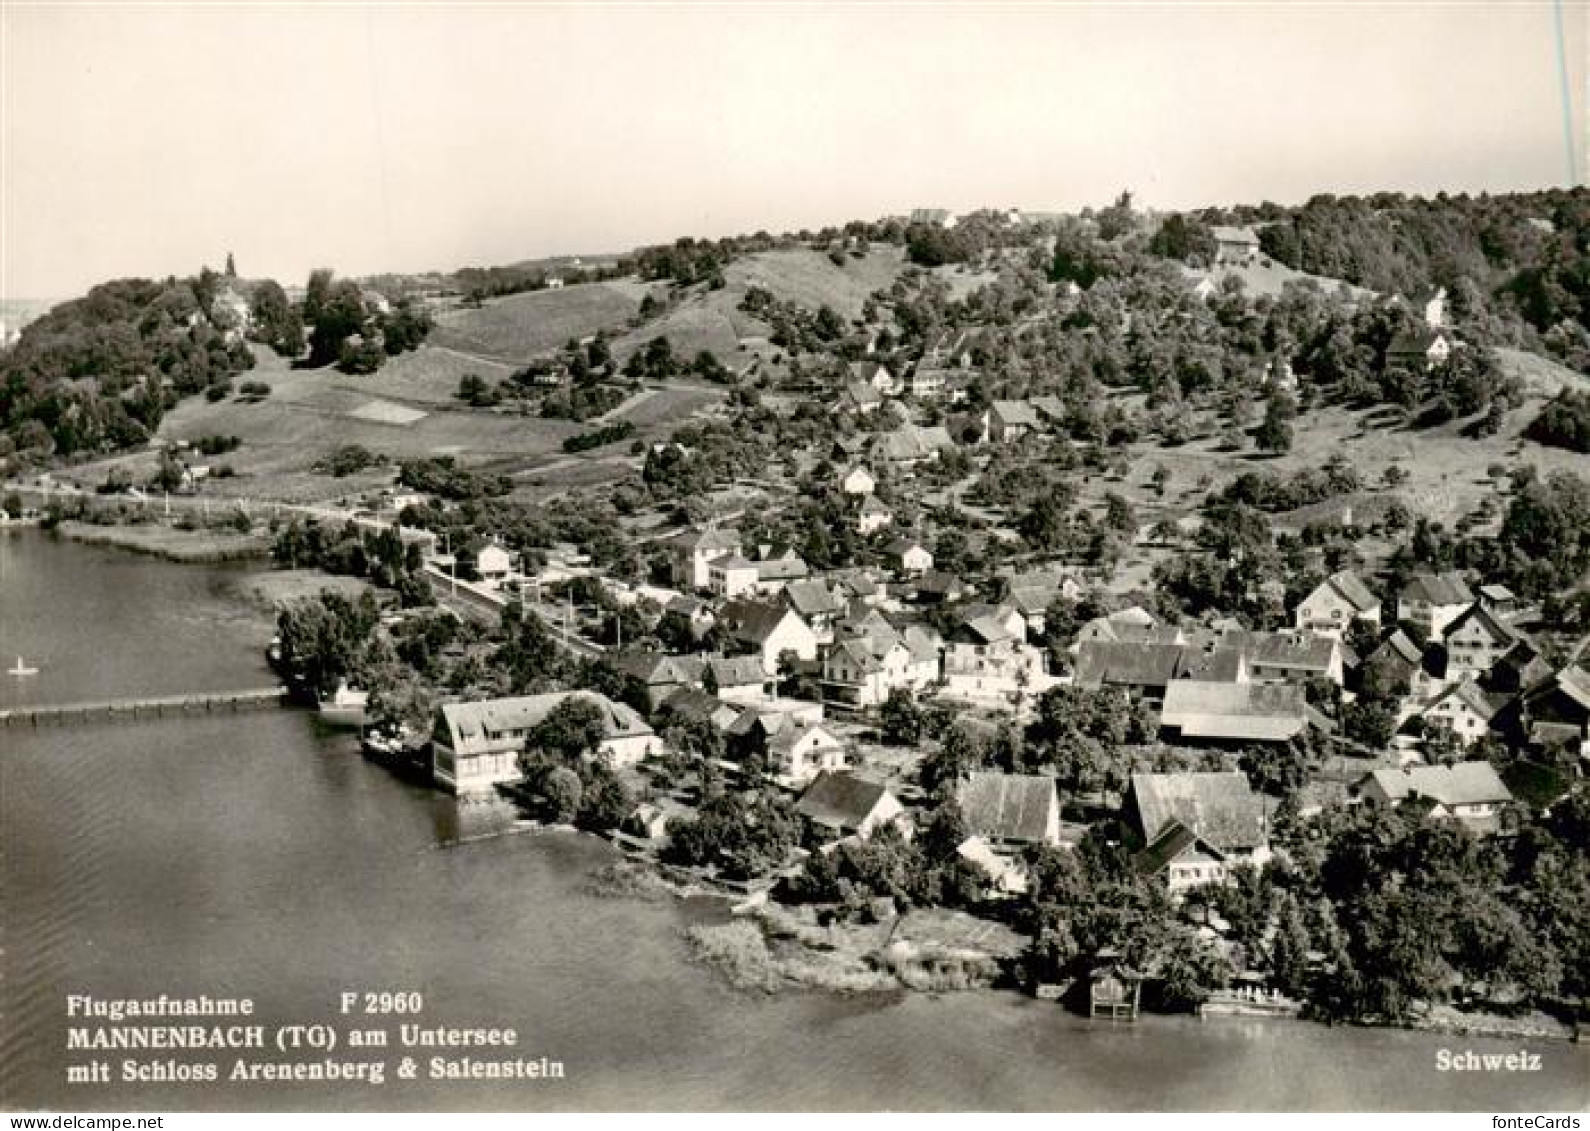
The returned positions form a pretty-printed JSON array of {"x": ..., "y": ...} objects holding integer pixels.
[
  {"x": 731, "y": 575},
  {"x": 769, "y": 631},
  {"x": 858, "y": 481},
  {"x": 872, "y": 516},
  {"x": 839, "y": 803},
  {"x": 474, "y": 746},
  {"x": 694, "y": 550},
  {"x": 1475, "y": 640},
  {"x": 1463, "y": 710},
  {"x": 1433, "y": 601},
  {"x": 909, "y": 556},
  {"x": 1470, "y": 792},
  {"x": 798, "y": 752},
  {"x": 1335, "y": 604}
]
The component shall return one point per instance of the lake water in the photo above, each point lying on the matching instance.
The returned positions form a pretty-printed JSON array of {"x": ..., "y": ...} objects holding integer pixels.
[{"x": 255, "y": 855}]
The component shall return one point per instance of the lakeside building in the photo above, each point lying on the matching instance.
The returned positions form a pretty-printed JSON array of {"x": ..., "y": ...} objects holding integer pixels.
[{"x": 475, "y": 746}]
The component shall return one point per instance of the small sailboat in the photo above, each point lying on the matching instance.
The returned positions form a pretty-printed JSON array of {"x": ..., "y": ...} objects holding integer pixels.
[{"x": 20, "y": 668}]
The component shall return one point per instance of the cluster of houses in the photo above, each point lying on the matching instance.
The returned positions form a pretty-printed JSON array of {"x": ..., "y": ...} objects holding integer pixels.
[{"x": 846, "y": 640}]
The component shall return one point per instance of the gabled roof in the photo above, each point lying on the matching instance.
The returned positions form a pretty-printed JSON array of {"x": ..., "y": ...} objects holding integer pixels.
[
  {"x": 1016, "y": 412},
  {"x": 1053, "y": 408},
  {"x": 1174, "y": 841},
  {"x": 1437, "y": 589},
  {"x": 1221, "y": 807},
  {"x": 1270, "y": 712},
  {"x": 474, "y": 724},
  {"x": 787, "y": 737},
  {"x": 859, "y": 652},
  {"x": 732, "y": 562},
  {"x": 1353, "y": 591},
  {"x": 841, "y": 800},
  {"x": 1400, "y": 645},
  {"x": 871, "y": 506},
  {"x": 736, "y": 671},
  {"x": 1225, "y": 233},
  {"x": 707, "y": 538},
  {"x": 1102, "y": 662},
  {"x": 652, "y": 668},
  {"x": 812, "y": 598},
  {"x": 1477, "y": 614},
  {"x": 752, "y": 622},
  {"x": 1009, "y": 806},
  {"x": 1471, "y": 696},
  {"x": 788, "y": 567},
  {"x": 1285, "y": 649},
  {"x": 1467, "y": 783},
  {"x": 862, "y": 393}
]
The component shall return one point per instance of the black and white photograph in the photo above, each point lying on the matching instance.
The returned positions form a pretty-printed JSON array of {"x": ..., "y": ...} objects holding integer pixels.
[{"x": 886, "y": 557}]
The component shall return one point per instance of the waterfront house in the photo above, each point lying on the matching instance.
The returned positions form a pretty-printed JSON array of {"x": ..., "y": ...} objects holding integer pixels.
[
  {"x": 475, "y": 746},
  {"x": 839, "y": 803},
  {"x": 1181, "y": 859},
  {"x": 1335, "y": 604},
  {"x": 1219, "y": 808},
  {"x": 1432, "y": 601},
  {"x": 1002, "y": 875},
  {"x": 1470, "y": 792},
  {"x": 1010, "y": 811}
]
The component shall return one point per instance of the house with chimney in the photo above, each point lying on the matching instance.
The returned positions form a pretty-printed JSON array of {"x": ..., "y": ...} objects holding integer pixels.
[
  {"x": 1469, "y": 792},
  {"x": 692, "y": 552},
  {"x": 1010, "y": 812},
  {"x": 766, "y": 630}
]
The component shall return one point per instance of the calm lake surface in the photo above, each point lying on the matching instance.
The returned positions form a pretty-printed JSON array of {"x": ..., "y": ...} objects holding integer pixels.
[{"x": 255, "y": 855}]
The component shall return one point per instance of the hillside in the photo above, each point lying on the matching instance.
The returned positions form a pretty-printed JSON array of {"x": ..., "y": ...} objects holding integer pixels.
[
  {"x": 706, "y": 319},
  {"x": 517, "y": 327}
]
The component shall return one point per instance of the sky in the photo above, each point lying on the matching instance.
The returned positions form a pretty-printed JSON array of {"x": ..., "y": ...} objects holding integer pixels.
[{"x": 153, "y": 139}]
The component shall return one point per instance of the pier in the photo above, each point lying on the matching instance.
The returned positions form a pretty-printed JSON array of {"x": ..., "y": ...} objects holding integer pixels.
[{"x": 153, "y": 707}]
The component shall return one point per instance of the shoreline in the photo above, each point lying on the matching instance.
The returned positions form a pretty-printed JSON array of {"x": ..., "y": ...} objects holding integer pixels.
[
  {"x": 187, "y": 547},
  {"x": 788, "y": 956}
]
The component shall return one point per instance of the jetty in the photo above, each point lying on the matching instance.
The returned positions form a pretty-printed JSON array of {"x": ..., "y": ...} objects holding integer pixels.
[{"x": 152, "y": 707}]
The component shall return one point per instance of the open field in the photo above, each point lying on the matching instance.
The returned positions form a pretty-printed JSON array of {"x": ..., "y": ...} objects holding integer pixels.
[
  {"x": 515, "y": 328},
  {"x": 810, "y": 279},
  {"x": 429, "y": 375}
]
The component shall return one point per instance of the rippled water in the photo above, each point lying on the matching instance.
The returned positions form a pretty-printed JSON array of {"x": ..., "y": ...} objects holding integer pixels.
[{"x": 256, "y": 855}]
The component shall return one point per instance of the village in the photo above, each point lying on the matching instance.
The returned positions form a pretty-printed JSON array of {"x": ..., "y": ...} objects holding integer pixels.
[{"x": 915, "y": 620}]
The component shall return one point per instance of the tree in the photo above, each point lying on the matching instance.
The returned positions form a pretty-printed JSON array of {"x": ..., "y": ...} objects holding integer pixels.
[
  {"x": 1274, "y": 434},
  {"x": 231, "y": 266},
  {"x": 572, "y": 731},
  {"x": 901, "y": 718},
  {"x": 13, "y": 505},
  {"x": 562, "y": 792},
  {"x": 605, "y": 800}
]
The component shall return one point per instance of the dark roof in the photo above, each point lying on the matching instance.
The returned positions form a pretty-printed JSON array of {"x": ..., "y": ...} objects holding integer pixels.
[
  {"x": 1347, "y": 584},
  {"x": 1480, "y": 615},
  {"x": 1173, "y": 840},
  {"x": 1221, "y": 807},
  {"x": 1009, "y": 806},
  {"x": 1400, "y": 645},
  {"x": 1290, "y": 649},
  {"x": 752, "y": 622},
  {"x": 840, "y": 800},
  {"x": 1101, "y": 663},
  {"x": 737, "y": 671},
  {"x": 1437, "y": 589}
]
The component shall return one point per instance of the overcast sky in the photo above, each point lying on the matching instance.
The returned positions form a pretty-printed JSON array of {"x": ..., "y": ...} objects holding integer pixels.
[{"x": 152, "y": 140}]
